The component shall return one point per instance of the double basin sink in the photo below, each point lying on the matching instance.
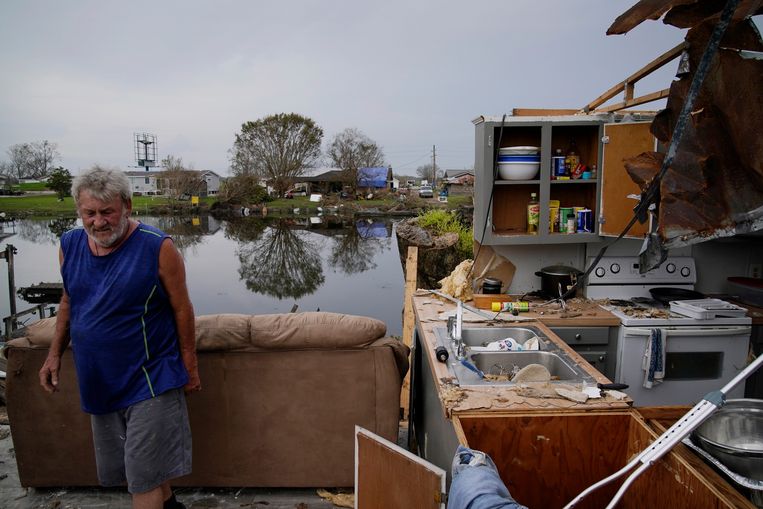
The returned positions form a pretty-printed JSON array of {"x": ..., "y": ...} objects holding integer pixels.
[{"x": 499, "y": 365}]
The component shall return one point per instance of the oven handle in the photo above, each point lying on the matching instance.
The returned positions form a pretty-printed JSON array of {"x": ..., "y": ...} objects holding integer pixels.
[{"x": 687, "y": 331}]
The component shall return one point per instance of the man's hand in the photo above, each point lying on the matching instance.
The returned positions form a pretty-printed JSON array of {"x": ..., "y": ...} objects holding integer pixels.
[{"x": 49, "y": 373}]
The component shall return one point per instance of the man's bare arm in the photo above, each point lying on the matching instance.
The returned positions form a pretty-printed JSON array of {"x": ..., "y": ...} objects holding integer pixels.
[
  {"x": 52, "y": 365},
  {"x": 172, "y": 276}
]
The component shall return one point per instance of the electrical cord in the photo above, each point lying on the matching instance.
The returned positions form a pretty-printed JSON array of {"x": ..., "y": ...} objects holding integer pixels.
[
  {"x": 496, "y": 144},
  {"x": 649, "y": 195}
]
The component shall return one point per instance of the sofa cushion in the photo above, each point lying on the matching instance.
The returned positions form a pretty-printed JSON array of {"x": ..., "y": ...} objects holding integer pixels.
[
  {"x": 315, "y": 329},
  {"x": 282, "y": 331}
]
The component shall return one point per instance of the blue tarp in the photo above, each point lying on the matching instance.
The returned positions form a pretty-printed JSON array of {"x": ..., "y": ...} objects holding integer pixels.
[{"x": 372, "y": 177}]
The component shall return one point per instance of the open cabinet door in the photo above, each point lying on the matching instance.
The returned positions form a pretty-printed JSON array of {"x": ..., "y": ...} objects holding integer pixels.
[
  {"x": 387, "y": 476},
  {"x": 622, "y": 141}
]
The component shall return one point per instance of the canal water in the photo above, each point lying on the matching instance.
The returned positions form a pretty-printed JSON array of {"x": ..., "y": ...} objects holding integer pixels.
[{"x": 250, "y": 265}]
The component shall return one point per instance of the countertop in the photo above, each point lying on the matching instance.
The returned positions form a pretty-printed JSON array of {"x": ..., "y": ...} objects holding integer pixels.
[{"x": 432, "y": 311}]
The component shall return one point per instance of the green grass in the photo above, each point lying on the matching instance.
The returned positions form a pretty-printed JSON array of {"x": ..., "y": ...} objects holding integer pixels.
[
  {"x": 42, "y": 204},
  {"x": 33, "y": 186},
  {"x": 442, "y": 221},
  {"x": 48, "y": 204}
]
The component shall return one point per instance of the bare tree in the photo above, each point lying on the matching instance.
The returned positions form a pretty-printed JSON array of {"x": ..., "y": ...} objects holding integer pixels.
[
  {"x": 351, "y": 150},
  {"x": 277, "y": 148},
  {"x": 425, "y": 172},
  {"x": 32, "y": 160},
  {"x": 179, "y": 180}
]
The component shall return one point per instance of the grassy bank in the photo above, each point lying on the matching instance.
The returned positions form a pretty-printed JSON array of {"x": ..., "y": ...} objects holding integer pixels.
[{"x": 48, "y": 204}]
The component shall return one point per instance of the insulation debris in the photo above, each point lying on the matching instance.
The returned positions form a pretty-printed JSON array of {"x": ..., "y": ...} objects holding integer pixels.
[
  {"x": 338, "y": 499},
  {"x": 577, "y": 396},
  {"x": 458, "y": 284}
]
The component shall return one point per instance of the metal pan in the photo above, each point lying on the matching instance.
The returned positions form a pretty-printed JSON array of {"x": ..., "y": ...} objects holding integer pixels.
[{"x": 665, "y": 295}]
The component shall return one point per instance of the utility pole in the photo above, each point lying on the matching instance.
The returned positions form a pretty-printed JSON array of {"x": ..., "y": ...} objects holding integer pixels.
[{"x": 434, "y": 169}]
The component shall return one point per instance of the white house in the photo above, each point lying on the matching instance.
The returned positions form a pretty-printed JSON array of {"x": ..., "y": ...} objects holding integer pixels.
[
  {"x": 143, "y": 182},
  {"x": 212, "y": 181}
]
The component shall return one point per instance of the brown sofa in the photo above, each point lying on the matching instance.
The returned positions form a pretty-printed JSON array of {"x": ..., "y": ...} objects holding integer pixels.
[{"x": 280, "y": 400}]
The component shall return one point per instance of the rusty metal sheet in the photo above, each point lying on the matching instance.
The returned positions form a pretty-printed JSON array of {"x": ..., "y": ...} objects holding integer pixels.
[
  {"x": 714, "y": 187},
  {"x": 680, "y": 13}
]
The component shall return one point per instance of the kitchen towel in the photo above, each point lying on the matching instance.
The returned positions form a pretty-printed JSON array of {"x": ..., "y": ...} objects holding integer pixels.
[{"x": 653, "y": 362}]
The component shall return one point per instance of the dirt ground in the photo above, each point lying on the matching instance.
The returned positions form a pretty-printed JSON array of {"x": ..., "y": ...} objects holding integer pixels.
[{"x": 14, "y": 496}]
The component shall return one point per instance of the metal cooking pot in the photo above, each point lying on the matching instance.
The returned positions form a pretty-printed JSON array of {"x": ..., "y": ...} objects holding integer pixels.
[
  {"x": 734, "y": 436},
  {"x": 555, "y": 275},
  {"x": 665, "y": 295}
]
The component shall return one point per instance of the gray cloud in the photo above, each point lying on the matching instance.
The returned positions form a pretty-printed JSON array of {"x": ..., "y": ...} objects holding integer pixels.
[{"x": 88, "y": 74}]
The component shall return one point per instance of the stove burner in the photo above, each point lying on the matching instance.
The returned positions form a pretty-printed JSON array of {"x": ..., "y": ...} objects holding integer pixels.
[
  {"x": 621, "y": 303},
  {"x": 647, "y": 301}
]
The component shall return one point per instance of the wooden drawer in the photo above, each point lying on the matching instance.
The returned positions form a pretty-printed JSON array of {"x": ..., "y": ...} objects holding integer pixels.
[{"x": 583, "y": 335}]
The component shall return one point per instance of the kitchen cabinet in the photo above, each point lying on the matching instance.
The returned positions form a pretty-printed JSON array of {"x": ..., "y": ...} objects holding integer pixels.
[
  {"x": 597, "y": 345},
  {"x": 501, "y": 205}
]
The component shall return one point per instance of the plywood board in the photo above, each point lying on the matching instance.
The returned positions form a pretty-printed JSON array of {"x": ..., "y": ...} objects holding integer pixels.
[
  {"x": 409, "y": 321},
  {"x": 388, "y": 476},
  {"x": 625, "y": 141}
]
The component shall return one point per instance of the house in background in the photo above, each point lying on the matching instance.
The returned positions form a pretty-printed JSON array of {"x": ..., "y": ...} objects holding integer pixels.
[
  {"x": 205, "y": 182},
  {"x": 459, "y": 181},
  {"x": 211, "y": 181},
  {"x": 374, "y": 178},
  {"x": 144, "y": 182}
]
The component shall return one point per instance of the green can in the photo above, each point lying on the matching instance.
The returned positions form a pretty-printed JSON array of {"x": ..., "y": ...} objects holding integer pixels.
[{"x": 563, "y": 212}]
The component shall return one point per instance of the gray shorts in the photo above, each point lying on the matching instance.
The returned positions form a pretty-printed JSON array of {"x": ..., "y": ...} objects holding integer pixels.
[{"x": 145, "y": 444}]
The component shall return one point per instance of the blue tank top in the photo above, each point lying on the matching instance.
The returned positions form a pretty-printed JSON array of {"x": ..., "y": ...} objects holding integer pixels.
[{"x": 122, "y": 327}]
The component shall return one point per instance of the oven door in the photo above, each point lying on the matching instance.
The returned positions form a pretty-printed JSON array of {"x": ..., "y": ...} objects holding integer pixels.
[{"x": 698, "y": 360}]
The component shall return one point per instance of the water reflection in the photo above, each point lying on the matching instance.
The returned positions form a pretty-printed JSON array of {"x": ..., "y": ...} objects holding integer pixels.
[
  {"x": 253, "y": 265},
  {"x": 353, "y": 252},
  {"x": 281, "y": 262}
]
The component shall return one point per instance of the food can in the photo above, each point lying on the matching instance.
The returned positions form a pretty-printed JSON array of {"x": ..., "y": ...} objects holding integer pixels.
[
  {"x": 585, "y": 221},
  {"x": 563, "y": 218},
  {"x": 557, "y": 166}
]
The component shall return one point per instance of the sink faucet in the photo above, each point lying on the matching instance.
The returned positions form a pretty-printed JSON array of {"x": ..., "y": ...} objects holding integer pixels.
[{"x": 454, "y": 329}]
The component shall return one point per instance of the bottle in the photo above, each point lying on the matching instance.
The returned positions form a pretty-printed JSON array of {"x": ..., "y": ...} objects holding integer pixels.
[
  {"x": 593, "y": 171},
  {"x": 571, "y": 158},
  {"x": 533, "y": 214},
  {"x": 557, "y": 168},
  {"x": 571, "y": 226}
]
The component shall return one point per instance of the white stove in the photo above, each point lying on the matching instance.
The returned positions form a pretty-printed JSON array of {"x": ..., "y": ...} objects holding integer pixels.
[{"x": 699, "y": 354}]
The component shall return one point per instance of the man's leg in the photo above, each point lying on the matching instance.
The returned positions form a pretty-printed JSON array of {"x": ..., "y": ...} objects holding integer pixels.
[
  {"x": 158, "y": 449},
  {"x": 153, "y": 499}
]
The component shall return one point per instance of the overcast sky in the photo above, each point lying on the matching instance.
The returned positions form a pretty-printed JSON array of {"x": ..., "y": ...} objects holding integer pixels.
[{"x": 410, "y": 74}]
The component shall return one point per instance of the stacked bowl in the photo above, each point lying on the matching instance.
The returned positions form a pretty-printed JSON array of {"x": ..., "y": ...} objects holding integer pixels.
[{"x": 518, "y": 163}]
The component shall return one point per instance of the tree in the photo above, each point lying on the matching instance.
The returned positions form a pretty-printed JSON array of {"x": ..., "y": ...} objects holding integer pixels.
[
  {"x": 351, "y": 150},
  {"x": 277, "y": 148},
  {"x": 425, "y": 172},
  {"x": 32, "y": 160},
  {"x": 60, "y": 181},
  {"x": 179, "y": 180}
]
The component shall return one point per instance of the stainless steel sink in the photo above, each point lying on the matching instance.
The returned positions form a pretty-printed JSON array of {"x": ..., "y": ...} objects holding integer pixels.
[
  {"x": 562, "y": 368},
  {"x": 481, "y": 336},
  {"x": 503, "y": 363}
]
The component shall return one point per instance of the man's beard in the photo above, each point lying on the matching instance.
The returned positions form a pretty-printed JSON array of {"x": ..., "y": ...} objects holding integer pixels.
[{"x": 116, "y": 233}]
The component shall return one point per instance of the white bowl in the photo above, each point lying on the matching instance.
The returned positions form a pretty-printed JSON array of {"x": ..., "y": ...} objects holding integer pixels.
[
  {"x": 518, "y": 171},
  {"x": 524, "y": 150}
]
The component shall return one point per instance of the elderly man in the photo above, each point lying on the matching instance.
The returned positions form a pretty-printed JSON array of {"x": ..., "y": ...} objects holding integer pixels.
[{"x": 129, "y": 318}]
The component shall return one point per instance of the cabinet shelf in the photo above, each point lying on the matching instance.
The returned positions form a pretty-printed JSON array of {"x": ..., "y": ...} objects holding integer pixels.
[
  {"x": 515, "y": 182},
  {"x": 606, "y": 198},
  {"x": 574, "y": 182}
]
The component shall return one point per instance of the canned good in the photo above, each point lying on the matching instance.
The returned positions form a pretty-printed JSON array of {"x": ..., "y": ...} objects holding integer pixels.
[
  {"x": 585, "y": 221},
  {"x": 563, "y": 213},
  {"x": 557, "y": 166}
]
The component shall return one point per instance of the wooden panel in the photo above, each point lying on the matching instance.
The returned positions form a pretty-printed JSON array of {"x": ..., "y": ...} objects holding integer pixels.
[
  {"x": 388, "y": 476},
  {"x": 541, "y": 112},
  {"x": 625, "y": 141},
  {"x": 518, "y": 135},
  {"x": 547, "y": 460},
  {"x": 586, "y": 138},
  {"x": 510, "y": 208},
  {"x": 409, "y": 321}
]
